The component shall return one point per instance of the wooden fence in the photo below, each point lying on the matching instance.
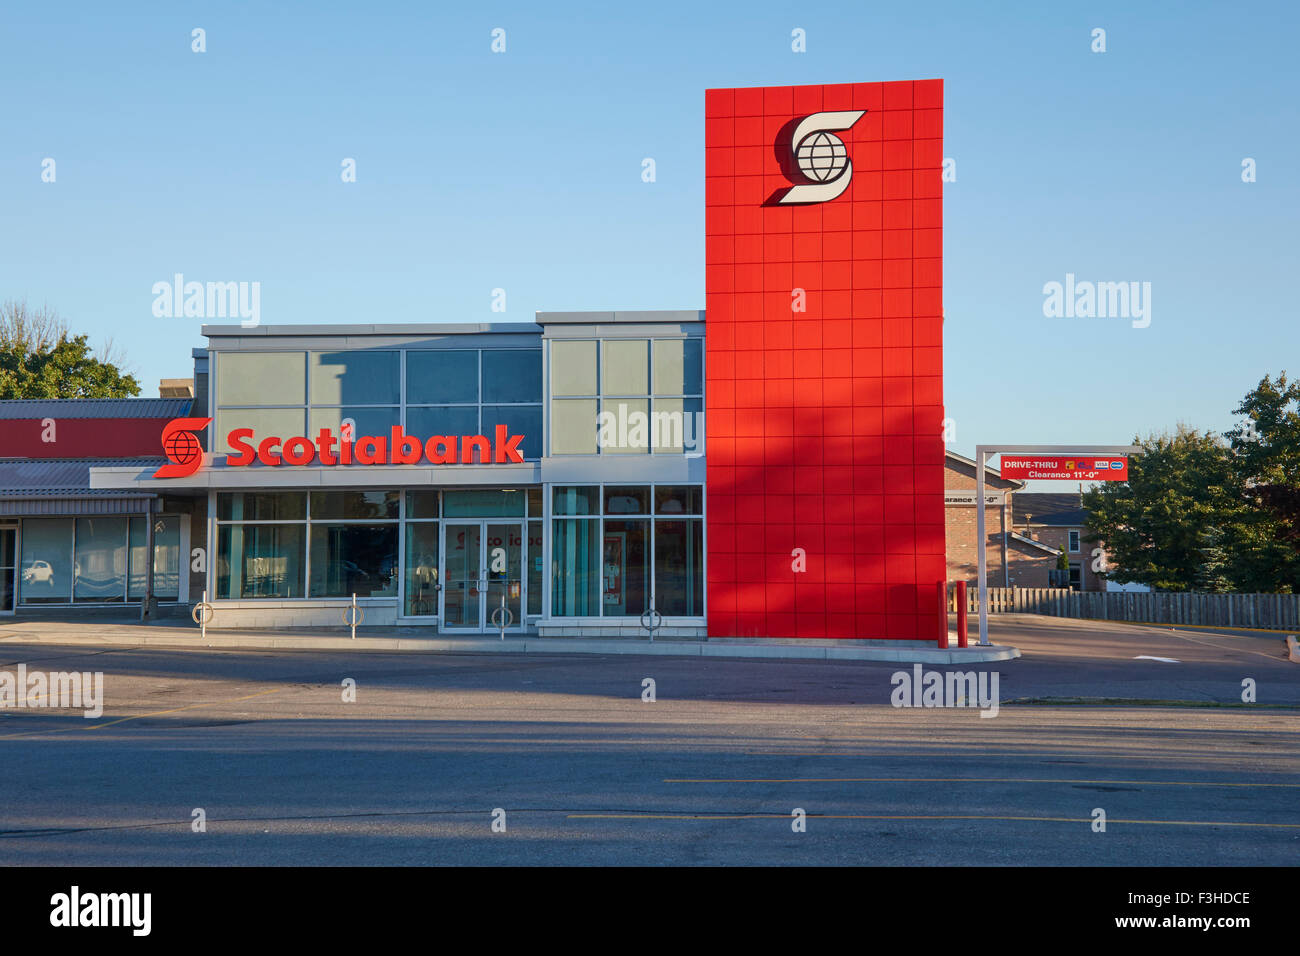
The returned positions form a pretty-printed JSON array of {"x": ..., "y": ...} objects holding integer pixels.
[{"x": 1276, "y": 611}]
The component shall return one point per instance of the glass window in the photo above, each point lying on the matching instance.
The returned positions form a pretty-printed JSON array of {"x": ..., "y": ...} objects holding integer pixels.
[
  {"x": 366, "y": 421},
  {"x": 355, "y": 377},
  {"x": 260, "y": 561},
  {"x": 265, "y": 422},
  {"x": 679, "y": 499},
  {"x": 261, "y": 378},
  {"x": 166, "y": 558},
  {"x": 422, "y": 504},
  {"x": 354, "y": 504},
  {"x": 625, "y": 367},
  {"x": 534, "y": 502},
  {"x": 575, "y": 500},
  {"x": 573, "y": 368},
  {"x": 534, "y": 567},
  {"x": 424, "y": 423},
  {"x": 1074, "y": 540},
  {"x": 483, "y": 504},
  {"x": 512, "y": 375},
  {"x": 677, "y": 425},
  {"x": 625, "y": 426},
  {"x": 349, "y": 559},
  {"x": 573, "y": 426},
  {"x": 442, "y": 377},
  {"x": 679, "y": 367},
  {"x": 575, "y": 567},
  {"x": 626, "y": 585},
  {"x": 523, "y": 420},
  {"x": 421, "y": 567},
  {"x": 99, "y": 560},
  {"x": 261, "y": 506},
  {"x": 46, "y": 575},
  {"x": 627, "y": 500},
  {"x": 679, "y": 568}
]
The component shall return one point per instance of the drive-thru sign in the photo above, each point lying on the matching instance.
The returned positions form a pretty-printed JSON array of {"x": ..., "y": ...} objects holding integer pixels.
[
  {"x": 1069, "y": 467},
  {"x": 1040, "y": 461}
]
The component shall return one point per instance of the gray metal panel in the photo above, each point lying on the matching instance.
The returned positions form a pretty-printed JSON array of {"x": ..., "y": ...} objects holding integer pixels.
[
  {"x": 116, "y": 505},
  {"x": 397, "y": 330},
  {"x": 632, "y": 469},
  {"x": 94, "y": 408},
  {"x": 635, "y": 317},
  {"x": 22, "y": 477},
  {"x": 625, "y": 331},
  {"x": 222, "y": 478}
]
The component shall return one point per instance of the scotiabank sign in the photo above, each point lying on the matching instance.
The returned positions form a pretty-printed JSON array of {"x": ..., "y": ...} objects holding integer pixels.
[{"x": 397, "y": 448}]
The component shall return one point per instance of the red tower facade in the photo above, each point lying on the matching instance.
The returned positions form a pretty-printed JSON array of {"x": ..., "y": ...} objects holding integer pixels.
[{"x": 824, "y": 348}]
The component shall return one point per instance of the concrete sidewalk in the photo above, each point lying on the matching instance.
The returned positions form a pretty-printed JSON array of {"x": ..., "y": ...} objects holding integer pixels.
[{"x": 172, "y": 633}]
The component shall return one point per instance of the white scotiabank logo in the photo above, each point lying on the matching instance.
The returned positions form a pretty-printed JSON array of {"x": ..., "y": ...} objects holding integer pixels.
[{"x": 820, "y": 157}]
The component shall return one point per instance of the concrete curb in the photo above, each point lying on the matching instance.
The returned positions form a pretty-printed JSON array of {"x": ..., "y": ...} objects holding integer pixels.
[
  {"x": 1292, "y": 649},
  {"x": 533, "y": 645}
]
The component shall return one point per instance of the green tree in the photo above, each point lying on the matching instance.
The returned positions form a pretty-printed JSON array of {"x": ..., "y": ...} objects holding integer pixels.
[
  {"x": 39, "y": 359},
  {"x": 1267, "y": 461},
  {"x": 1153, "y": 524}
]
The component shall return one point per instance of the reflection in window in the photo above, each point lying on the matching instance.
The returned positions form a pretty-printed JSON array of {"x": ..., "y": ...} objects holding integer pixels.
[
  {"x": 442, "y": 376},
  {"x": 260, "y": 561},
  {"x": 355, "y": 377},
  {"x": 349, "y": 559}
]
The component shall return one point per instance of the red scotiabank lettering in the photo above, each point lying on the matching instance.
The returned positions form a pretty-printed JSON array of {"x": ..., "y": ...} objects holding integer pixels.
[{"x": 398, "y": 448}]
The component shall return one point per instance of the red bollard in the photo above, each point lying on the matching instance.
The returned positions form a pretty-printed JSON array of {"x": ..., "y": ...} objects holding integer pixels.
[
  {"x": 942, "y": 588},
  {"x": 961, "y": 613}
]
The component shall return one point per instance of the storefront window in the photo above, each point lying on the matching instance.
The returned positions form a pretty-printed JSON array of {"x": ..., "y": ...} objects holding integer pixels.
[
  {"x": 534, "y": 567},
  {"x": 679, "y": 568},
  {"x": 625, "y": 588},
  {"x": 99, "y": 561},
  {"x": 583, "y": 500},
  {"x": 483, "y": 504},
  {"x": 349, "y": 559},
  {"x": 356, "y": 377},
  {"x": 575, "y": 567},
  {"x": 679, "y": 367},
  {"x": 46, "y": 575},
  {"x": 354, "y": 504},
  {"x": 422, "y": 504},
  {"x": 166, "y": 558},
  {"x": 260, "y": 561},
  {"x": 421, "y": 568},
  {"x": 679, "y": 499},
  {"x": 262, "y": 506}
]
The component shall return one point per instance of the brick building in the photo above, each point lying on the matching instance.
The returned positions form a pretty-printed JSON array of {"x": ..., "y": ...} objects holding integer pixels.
[{"x": 1025, "y": 532}]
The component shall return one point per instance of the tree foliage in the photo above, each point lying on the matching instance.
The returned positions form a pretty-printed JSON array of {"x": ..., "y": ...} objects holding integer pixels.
[{"x": 39, "y": 359}]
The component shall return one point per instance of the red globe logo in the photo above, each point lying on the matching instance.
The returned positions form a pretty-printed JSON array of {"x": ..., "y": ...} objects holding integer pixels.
[{"x": 182, "y": 448}]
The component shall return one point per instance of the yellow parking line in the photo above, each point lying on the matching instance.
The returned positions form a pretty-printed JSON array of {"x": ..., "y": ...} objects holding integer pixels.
[
  {"x": 1151, "y": 783},
  {"x": 159, "y": 713}
]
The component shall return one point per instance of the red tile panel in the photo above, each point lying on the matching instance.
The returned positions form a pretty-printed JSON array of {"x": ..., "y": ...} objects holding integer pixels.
[{"x": 825, "y": 365}]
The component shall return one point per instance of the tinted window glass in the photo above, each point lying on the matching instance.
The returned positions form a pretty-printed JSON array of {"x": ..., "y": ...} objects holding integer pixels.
[
  {"x": 512, "y": 375},
  {"x": 447, "y": 376}
]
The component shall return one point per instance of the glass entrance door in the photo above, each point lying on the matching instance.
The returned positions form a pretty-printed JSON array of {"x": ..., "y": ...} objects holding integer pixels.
[
  {"x": 462, "y": 591},
  {"x": 483, "y": 571},
  {"x": 8, "y": 568},
  {"x": 504, "y": 546}
]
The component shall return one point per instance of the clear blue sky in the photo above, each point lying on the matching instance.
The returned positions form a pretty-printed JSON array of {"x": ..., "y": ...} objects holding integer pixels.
[{"x": 522, "y": 171}]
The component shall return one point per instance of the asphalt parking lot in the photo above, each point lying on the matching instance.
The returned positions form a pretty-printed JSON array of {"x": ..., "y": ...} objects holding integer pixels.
[{"x": 581, "y": 769}]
